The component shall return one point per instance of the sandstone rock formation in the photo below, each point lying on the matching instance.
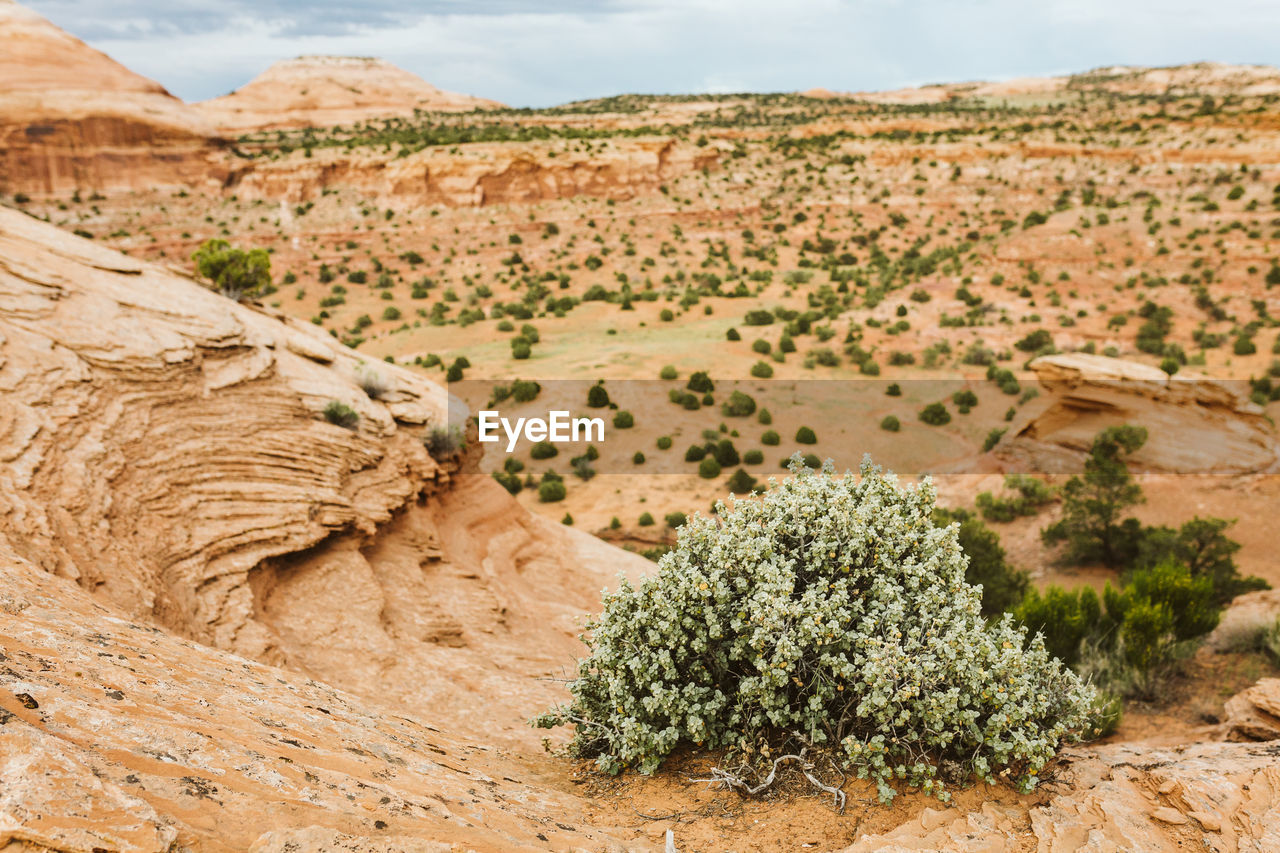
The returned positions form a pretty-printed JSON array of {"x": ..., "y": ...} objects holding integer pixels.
[
  {"x": 323, "y": 91},
  {"x": 1221, "y": 797},
  {"x": 498, "y": 173},
  {"x": 164, "y": 447},
  {"x": 1194, "y": 424},
  {"x": 71, "y": 118},
  {"x": 1254, "y": 713}
]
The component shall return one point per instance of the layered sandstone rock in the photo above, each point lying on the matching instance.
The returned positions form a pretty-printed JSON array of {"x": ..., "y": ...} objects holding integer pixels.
[
  {"x": 115, "y": 735},
  {"x": 164, "y": 447},
  {"x": 1194, "y": 424},
  {"x": 1221, "y": 797},
  {"x": 476, "y": 175},
  {"x": 1254, "y": 714},
  {"x": 71, "y": 118},
  {"x": 324, "y": 91}
]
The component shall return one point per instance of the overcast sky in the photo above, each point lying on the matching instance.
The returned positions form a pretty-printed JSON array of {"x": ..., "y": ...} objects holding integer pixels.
[{"x": 543, "y": 53}]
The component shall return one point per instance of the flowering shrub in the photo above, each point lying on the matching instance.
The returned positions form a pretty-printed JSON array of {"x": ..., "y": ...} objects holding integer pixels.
[{"x": 830, "y": 611}]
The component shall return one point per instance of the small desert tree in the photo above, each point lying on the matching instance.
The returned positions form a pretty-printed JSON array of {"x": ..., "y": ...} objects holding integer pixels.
[
  {"x": 235, "y": 273},
  {"x": 1092, "y": 504},
  {"x": 830, "y": 612}
]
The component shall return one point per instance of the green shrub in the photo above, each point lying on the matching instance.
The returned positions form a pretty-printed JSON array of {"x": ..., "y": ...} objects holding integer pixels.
[
  {"x": 623, "y": 420},
  {"x": 520, "y": 349},
  {"x": 830, "y": 609},
  {"x": 597, "y": 397},
  {"x": 668, "y": 372},
  {"x": 340, "y": 414},
  {"x": 551, "y": 491},
  {"x": 543, "y": 450},
  {"x": 675, "y": 520},
  {"x": 739, "y": 405},
  {"x": 1003, "y": 586},
  {"x": 235, "y": 273},
  {"x": 1092, "y": 503},
  {"x": 741, "y": 483},
  {"x": 993, "y": 438},
  {"x": 725, "y": 453},
  {"x": 761, "y": 370},
  {"x": 1030, "y": 494},
  {"x": 664, "y": 442},
  {"x": 709, "y": 468},
  {"x": 695, "y": 453},
  {"x": 770, "y": 438},
  {"x": 753, "y": 457},
  {"x": 508, "y": 481},
  {"x": 935, "y": 414},
  {"x": 637, "y": 458},
  {"x": 764, "y": 417},
  {"x": 733, "y": 334},
  {"x": 646, "y": 520},
  {"x": 805, "y": 435},
  {"x": 700, "y": 382},
  {"x": 891, "y": 423},
  {"x": 1063, "y": 618}
]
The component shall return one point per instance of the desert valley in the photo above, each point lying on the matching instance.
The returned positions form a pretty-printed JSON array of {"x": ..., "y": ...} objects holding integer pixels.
[{"x": 263, "y": 588}]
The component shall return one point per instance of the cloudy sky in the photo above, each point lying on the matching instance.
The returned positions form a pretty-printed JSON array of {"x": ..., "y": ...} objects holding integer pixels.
[{"x": 543, "y": 53}]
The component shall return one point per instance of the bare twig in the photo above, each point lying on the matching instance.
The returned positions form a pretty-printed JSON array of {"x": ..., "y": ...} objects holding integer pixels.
[{"x": 734, "y": 782}]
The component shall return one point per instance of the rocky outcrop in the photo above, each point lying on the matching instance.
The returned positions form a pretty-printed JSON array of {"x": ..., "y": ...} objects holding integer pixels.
[
  {"x": 1221, "y": 797},
  {"x": 115, "y": 735},
  {"x": 164, "y": 447},
  {"x": 1194, "y": 424},
  {"x": 71, "y": 118},
  {"x": 476, "y": 175},
  {"x": 324, "y": 91},
  {"x": 1254, "y": 714}
]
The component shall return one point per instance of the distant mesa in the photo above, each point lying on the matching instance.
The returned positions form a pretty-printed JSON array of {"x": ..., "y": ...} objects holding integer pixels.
[
  {"x": 324, "y": 91},
  {"x": 72, "y": 117},
  {"x": 1209, "y": 78}
]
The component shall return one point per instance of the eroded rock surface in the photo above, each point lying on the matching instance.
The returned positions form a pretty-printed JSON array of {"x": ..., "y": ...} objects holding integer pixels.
[{"x": 1195, "y": 425}]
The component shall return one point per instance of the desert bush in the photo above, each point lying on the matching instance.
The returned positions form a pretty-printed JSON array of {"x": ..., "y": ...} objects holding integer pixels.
[
  {"x": 700, "y": 382},
  {"x": 725, "y": 453},
  {"x": 543, "y": 450},
  {"x": 675, "y": 520},
  {"x": 761, "y": 370},
  {"x": 891, "y": 423},
  {"x": 521, "y": 348},
  {"x": 1204, "y": 548},
  {"x": 739, "y": 405},
  {"x": 508, "y": 481},
  {"x": 1030, "y": 494},
  {"x": 372, "y": 382},
  {"x": 623, "y": 419},
  {"x": 935, "y": 414},
  {"x": 664, "y": 442},
  {"x": 770, "y": 438},
  {"x": 637, "y": 458},
  {"x": 340, "y": 414},
  {"x": 709, "y": 468},
  {"x": 993, "y": 438},
  {"x": 1003, "y": 586},
  {"x": 805, "y": 435},
  {"x": 443, "y": 441},
  {"x": 695, "y": 453},
  {"x": 235, "y": 273},
  {"x": 753, "y": 457},
  {"x": 741, "y": 483},
  {"x": 1092, "y": 503},
  {"x": 832, "y": 612},
  {"x": 597, "y": 397},
  {"x": 668, "y": 372},
  {"x": 551, "y": 491},
  {"x": 646, "y": 520}
]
